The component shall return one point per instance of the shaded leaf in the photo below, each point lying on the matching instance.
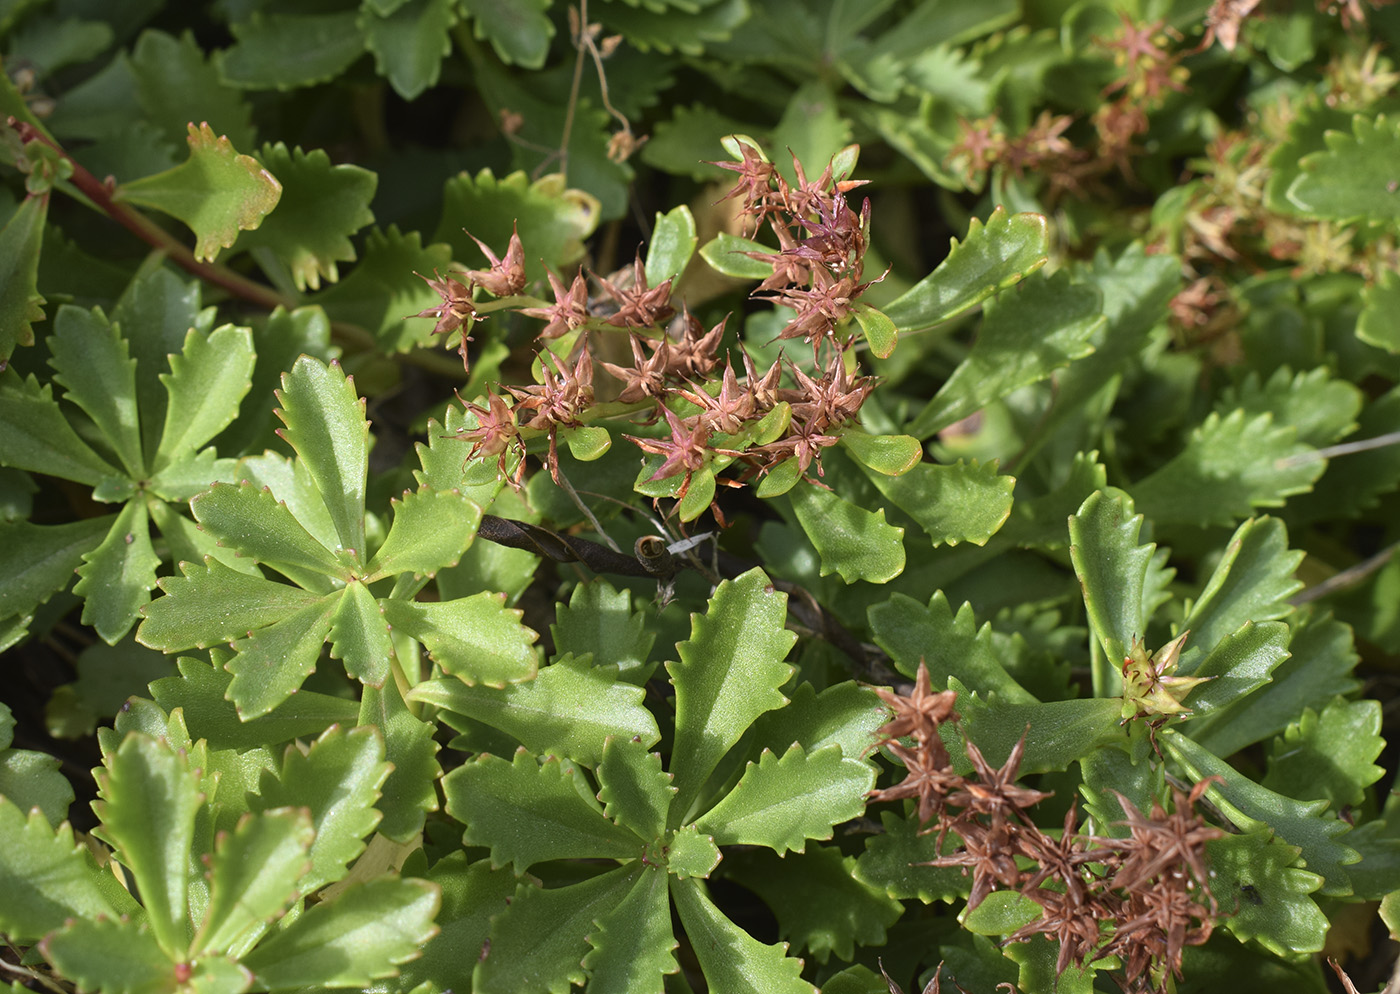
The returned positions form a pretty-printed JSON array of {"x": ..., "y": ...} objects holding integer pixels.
[
  {"x": 116, "y": 578},
  {"x": 519, "y": 32},
  {"x": 37, "y": 561},
  {"x": 288, "y": 51},
  {"x": 321, "y": 206},
  {"x": 1355, "y": 177},
  {"x": 21, "y": 303},
  {"x": 1329, "y": 756},
  {"x": 599, "y": 620},
  {"x": 893, "y": 861},
  {"x": 110, "y": 955},
  {"x": 35, "y": 435},
  {"x": 1254, "y": 875},
  {"x": 408, "y": 44},
  {"x": 1026, "y": 334}
]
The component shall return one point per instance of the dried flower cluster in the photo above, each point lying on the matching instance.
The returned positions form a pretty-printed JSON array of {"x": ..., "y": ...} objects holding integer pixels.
[
  {"x": 678, "y": 375},
  {"x": 1143, "y": 898},
  {"x": 457, "y": 312}
]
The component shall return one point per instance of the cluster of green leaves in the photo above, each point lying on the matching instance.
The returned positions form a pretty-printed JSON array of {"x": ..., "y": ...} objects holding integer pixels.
[{"x": 353, "y": 762}]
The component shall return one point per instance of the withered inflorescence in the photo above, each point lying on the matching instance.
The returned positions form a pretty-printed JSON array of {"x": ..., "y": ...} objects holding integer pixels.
[
  {"x": 714, "y": 421},
  {"x": 1142, "y": 898}
]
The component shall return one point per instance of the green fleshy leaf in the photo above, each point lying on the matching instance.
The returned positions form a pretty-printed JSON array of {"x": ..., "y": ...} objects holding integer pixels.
[
  {"x": 175, "y": 84},
  {"x": 253, "y": 876},
  {"x": 32, "y": 780},
  {"x": 880, "y": 332},
  {"x": 206, "y": 383},
  {"x": 725, "y": 255},
  {"x": 1137, "y": 289},
  {"x": 673, "y": 242},
  {"x": 1319, "y": 667},
  {"x": 109, "y": 955},
  {"x": 699, "y": 494},
  {"x": 37, "y": 561},
  {"x": 1229, "y": 466},
  {"x": 587, "y": 442},
  {"x": 199, "y": 692},
  {"x": 408, "y": 45},
  {"x": 430, "y": 531},
  {"x": 994, "y": 256},
  {"x": 1061, "y": 732},
  {"x": 599, "y": 620},
  {"x": 338, "y": 780},
  {"x": 288, "y": 51},
  {"x": 539, "y": 942},
  {"x": 117, "y": 577},
  {"x": 845, "y": 714},
  {"x": 728, "y": 674},
  {"x": 552, "y": 219},
  {"x": 691, "y": 854},
  {"x": 1239, "y": 663},
  {"x": 667, "y": 32},
  {"x": 273, "y": 662},
  {"x": 1112, "y": 568},
  {"x": 35, "y": 435},
  {"x": 479, "y": 480},
  {"x": 1378, "y": 324},
  {"x": 961, "y": 502},
  {"x": 325, "y": 423},
  {"x": 411, "y": 790},
  {"x": 526, "y": 811},
  {"x": 476, "y": 639},
  {"x": 322, "y": 205},
  {"x": 156, "y": 312},
  {"x": 731, "y": 959},
  {"x": 1329, "y": 756},
  {"x": 632, "y": 945},
  {"x": 894, "y": 861},
  {"x": 1039, "y": 968},
  {"x": 48, "y": 878},
  {"x": 852, "y": 541},
  {"x": 213, "y": 603},
  {"x": 569, "y": 709},
  {"x": 1254, "y": 808},
  {"x": 1251, "y": 582},
  {"x": 951, "y": 646},
  {"x": 780, "y": 479},
  {"x": 1355, "y": 177},
  {"x": 91, "y": 361},
  {"x": 251, "y": 521},
  {"x": 291, "y": 482},
  {"x": 471, "y": 897},
  {"x": 819, "y": 903},
  {"x": 519, "y": 32},
  {"x": 781, "y": 803},
  {"x": 358, "y": 936},
  {"x": 21, "y": 303},
  {"x": 149, "y": 799},
  {"x": 636, "y": 792},
  {"x": 216, "y": 192},
  {"x": 1254, "y": 875},
  {"x": 1322, "y": 408},
  {"x": 888, "y": 455},
  {"x": 1026, "y": 335},
  {"x": 383, "y": 289},
  {"x": 359, "y": 636}
]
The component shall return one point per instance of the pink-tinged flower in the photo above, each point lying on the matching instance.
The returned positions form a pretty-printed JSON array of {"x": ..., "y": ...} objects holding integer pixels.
[
  {"x": 506, "y": 277},
  {"x": 569, "y": 310}
]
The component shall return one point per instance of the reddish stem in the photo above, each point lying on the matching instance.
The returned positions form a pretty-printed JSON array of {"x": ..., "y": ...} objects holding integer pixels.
[{"x": 148, "y": 231}]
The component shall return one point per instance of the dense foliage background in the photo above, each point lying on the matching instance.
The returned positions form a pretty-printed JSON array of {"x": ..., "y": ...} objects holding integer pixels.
[{"x": 923, "y": 544}]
